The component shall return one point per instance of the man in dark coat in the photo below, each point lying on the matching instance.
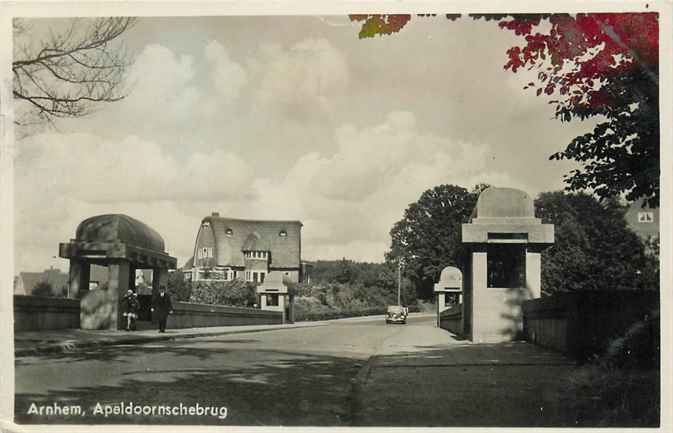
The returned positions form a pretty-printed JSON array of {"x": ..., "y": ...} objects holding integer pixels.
[{"x": 162, "y": 307}]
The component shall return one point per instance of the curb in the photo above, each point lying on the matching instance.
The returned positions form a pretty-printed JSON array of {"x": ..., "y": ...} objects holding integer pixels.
[{"x": 73, "y": 346}]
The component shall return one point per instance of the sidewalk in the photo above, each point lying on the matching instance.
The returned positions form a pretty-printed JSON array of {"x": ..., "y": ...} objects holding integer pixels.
[
  {"x": 451, "y": 383},
  {"x": 66, "y": 340}
]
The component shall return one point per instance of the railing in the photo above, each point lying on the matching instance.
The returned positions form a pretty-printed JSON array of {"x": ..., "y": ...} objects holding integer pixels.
[
  {"x": 583, "y": 324},
  {"x": 451, "y": 319},
  {"x": 35, "y": 313}
]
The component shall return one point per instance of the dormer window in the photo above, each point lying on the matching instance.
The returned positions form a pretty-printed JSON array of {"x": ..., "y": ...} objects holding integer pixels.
[
  {"x": 205, "y": 224},
  {"x": 282, "y": 233},
  {"x": 229, "y": 232}
]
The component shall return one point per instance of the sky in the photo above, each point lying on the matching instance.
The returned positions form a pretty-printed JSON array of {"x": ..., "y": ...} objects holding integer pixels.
[{"x": 287, "y": 118}]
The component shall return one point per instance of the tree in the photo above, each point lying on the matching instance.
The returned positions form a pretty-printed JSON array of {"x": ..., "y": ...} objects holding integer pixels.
[
  {"x": 43, "y": 288},
  {"x": 600, "y": 65},
  {"x": 69, "y": 73},
  {"x": 428, "y": 238},
  {"x": 178, "y": 287},
  {"x": 593, "y": 249}
]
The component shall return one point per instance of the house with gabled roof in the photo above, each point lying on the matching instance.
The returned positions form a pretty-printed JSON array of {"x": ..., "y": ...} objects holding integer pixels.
[
  {"x": 231, "y": 248},
  {"x": 25, "y": 282}
]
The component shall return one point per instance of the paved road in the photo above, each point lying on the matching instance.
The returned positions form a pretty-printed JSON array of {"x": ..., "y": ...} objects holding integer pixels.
[{"x": 345, "y": 373}]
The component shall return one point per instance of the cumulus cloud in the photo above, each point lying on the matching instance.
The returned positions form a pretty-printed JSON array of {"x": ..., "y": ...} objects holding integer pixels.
[
  {"x": 61, "y": 179},
  {"x": 90, "y": 168},
  {"x": 161, "y": 82},
  {"x": 350, "y": 199},
  {"x": 227, "y": 76},
  {"x": 303, "y": 78}
]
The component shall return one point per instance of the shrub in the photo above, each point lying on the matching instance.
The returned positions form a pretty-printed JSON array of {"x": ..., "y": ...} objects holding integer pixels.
[
  {"x": 235, "y": 293},
  {"x": 638, "y": 347},
  {"x": 43, "y": 288},
  {"x": 178, "y": 288}
]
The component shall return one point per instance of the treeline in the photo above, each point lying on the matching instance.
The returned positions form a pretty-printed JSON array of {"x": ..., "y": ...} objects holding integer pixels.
[
  {"x": 337, "y": 288},
  {"x": 343, "y": 288},
  {"x": 594, "y": 248}
]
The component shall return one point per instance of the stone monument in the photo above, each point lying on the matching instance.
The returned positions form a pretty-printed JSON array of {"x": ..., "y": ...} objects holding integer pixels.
[
  {"x": 505, "y": 242},
  {"x": 123, "y": 244}
]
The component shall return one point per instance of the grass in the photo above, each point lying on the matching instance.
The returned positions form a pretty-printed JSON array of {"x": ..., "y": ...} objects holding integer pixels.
[{"x": 609, "y": 397}]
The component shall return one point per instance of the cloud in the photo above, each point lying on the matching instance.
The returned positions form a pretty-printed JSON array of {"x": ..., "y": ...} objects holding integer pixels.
[
  {"x": 227, "y": 76},
  {"x": 89, "y": 168},
  {"x": 350, "y": 199},
  {"x": 302, "y": 79},
  {"x": 61, "y": 179},
  {"x": 161, "y": 82}
]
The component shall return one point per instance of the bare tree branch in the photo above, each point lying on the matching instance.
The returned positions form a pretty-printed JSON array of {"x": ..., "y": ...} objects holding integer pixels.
[{"x": 70, "y": 72}]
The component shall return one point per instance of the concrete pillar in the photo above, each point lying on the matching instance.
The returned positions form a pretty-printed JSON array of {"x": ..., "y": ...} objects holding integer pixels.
[
  {"x": 78, "y": 278},
  {"x": 281, "y": 307},
  {"x": 118, "y": 285},
  {"x": 159, "y": 278},
  {"x": 132, "y": 278},
  {"x": 290, "y": 308},
  {"x": 534, "y": 273},
  {"x": 479, "y": 282}
]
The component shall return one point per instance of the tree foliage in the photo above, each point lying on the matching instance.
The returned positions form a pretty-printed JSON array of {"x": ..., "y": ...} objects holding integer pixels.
[
  {"x": 368, "y": 284},
  {"x": 178, "y": 288},
  {"x": 428, "y": 238},
  {"x": 235, "y": 293},
  {"x": 593, "y": 249},
  {"x": 43, "y": 288},
  {"x": 68, "y": 73},
  {"x": 600, "y": 65}
]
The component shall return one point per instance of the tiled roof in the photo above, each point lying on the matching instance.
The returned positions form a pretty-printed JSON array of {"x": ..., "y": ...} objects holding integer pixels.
[
  {"x": 189, "y": 263},
  {"x": 233, "y": 236}
]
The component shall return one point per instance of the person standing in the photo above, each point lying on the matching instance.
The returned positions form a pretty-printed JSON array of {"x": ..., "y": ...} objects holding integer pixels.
[
  {"x": 134, "y": 308},
  {"x": 162, "y": 307},
  {"x": 129, "y": 306}
]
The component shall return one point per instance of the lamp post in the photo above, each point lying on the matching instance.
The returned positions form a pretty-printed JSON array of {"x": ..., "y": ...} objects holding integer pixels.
[{"x": 399, "y": 282}]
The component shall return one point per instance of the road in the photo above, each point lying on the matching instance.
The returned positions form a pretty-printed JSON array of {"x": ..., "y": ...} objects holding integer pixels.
[{"x": 345, "y": 373}]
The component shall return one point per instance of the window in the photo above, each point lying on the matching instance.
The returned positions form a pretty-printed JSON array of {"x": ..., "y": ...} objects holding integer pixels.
[
  {"x": 282, "y": 233},
  {"x": 229, "y": 232},
  {"x": 272, "y": 299},
  {"x": 248, "y": 276},
  {"x": 205, "y": 224},
  {"x": 204, "y": 253},
  {"x": 255, "y": 277},
  {"x": 261, "y": 277},
  {"x": 506, "y": 266},
  {"x": 645, "y": 217},
  {"x": 451, "y": 299}
]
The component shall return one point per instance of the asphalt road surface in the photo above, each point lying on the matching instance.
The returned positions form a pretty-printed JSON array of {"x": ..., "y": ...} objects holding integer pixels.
[
  {"x": 350, "y": 372},
  {"x": 281, "y": 377}
]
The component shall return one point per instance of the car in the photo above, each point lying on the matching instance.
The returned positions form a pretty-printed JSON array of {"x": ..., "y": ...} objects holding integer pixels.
[{"x": 396, "y": 314}]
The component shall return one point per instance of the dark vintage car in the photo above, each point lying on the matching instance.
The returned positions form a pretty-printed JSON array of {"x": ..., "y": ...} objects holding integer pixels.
[{"x": 396, "y": 314}]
